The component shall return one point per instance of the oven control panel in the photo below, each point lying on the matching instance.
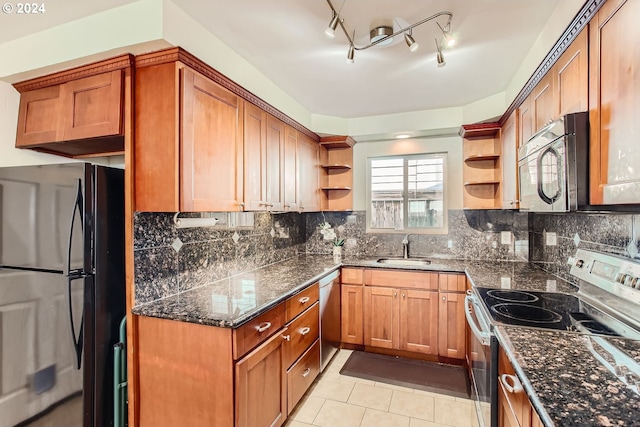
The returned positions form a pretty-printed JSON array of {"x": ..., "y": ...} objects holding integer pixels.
[{"x": 617, "y": 275}]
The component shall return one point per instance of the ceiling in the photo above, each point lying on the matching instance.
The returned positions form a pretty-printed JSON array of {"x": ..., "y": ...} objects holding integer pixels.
[{"x": 285, "y": 40}]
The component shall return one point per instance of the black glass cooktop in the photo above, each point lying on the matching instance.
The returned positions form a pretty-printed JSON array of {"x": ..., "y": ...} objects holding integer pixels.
[{"x": 546, "y": 310}]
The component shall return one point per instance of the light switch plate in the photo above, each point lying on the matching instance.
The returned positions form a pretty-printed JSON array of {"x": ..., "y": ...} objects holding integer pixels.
[
  {"x": 505, "y": 237},
  {"x": 550, "y": 239}
]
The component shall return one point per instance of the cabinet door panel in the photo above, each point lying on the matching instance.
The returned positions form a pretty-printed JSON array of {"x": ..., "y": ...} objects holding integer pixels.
[
  {"x": 274, "y": 161},
  {"x": 261, "y": 398},
  {"x": 211, "y": 149},
  {"x": 452, "y": 322},
  {"x": 39, "y": 117},
  {"x": 290, "y": 170},
  {"x": 308, "y": 174},
  {"x": 352, "y": 315},
  {"x": 525, "y": 121},
  {"x": 572, "y": 76},
  {"x": 543, "y": 103},
  {"x": 614, "y": 104},
  {"x": 93, "y": 106},
  {"x": 419, "y": 321},
  {"x": 509, "y": 158},
  {"x": 380, "y": 317},
  {"x": 255, "y": 140}
]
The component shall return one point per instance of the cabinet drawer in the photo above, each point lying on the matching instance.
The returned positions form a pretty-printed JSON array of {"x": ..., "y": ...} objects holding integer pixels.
[
  {"x": 302, "y": 374},
  {"x": 352, "y": 276},
  {"x": 300, "y": 302},
  {"x": 301, "y": 333},
  {"x": 401, "y": 279},
  {"x": 452, "y": 282},
  {"x": 257, "y": 330}
]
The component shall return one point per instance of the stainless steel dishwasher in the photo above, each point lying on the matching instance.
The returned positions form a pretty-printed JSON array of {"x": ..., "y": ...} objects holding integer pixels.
[{"x": 329, "y": 317}]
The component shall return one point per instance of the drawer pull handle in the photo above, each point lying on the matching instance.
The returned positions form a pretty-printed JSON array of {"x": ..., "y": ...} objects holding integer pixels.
[
  {"x": 286, "y": 337},
  {"x": 263, "y": 327},
  {"x": 305, "y": 330},
  {"x": 304, "y": 300},
  {"x": 511, "y": 383},
  {"x": 306, "y": 372}
]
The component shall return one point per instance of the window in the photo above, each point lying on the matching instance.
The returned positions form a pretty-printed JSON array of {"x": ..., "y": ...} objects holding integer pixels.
[{"x": 407, "y": 194}]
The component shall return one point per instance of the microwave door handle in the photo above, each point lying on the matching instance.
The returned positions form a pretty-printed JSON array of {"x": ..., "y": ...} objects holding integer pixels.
[
  {"x": 548, "y": 200},
  {"x": 79, "y": 339},
  {"x": 483, "y": 337}
]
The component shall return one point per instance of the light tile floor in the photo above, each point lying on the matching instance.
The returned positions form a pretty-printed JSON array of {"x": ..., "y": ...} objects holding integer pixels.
[{"x": 336, "y": 400}]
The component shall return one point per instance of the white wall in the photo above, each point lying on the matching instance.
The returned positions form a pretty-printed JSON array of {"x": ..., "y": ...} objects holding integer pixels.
[{"x": 452, "y": 145}]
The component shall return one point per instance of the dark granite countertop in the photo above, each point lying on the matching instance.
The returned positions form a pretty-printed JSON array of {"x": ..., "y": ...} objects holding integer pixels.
[
  {"x": 234, "y": 301},
  {"x": 566, "y": 382}
]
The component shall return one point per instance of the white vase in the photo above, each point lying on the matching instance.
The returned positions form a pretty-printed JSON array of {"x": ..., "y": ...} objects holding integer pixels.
[{"x": 337, "y": 253}]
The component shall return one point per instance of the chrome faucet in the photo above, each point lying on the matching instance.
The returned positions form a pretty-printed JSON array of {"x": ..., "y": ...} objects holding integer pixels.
[{"x": 405, "y": 246}]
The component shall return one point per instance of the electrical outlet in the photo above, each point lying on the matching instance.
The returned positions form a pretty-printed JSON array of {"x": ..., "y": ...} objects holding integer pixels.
[
  {"x": 450, "y": 244},
  {"x": 551, "y": 285},
  {"x": 505, "y": 282},
  {"x": 550, "y": 238},
  {"x": 505, "y": 237}
]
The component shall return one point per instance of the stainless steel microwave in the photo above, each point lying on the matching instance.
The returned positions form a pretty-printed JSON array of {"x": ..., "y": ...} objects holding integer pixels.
[{"x": 553, "y": 166}]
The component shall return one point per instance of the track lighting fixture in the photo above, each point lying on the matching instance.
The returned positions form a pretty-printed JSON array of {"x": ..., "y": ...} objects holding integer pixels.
[
  {"x": 411, "y": 42},
  {"x": 439, "y": 56},
  {"x": 350, "y": 54},
  {"x": 383, "y": 35},
  {"x": 333, "y": 24}
]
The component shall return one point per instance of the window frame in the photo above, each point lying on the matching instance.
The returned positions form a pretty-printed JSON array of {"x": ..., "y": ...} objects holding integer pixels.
[{"x": 405, "y": 200}]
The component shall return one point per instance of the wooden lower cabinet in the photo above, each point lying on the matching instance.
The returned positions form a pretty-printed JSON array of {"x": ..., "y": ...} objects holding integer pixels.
[
  {"x": 261, "y": 388},
  {"x": 452, "y": 325},
  {"x": 401, "y": 319},
  {"x": 514, "y": 407},
  {"x": 352, "y": 315},
  {"x": 250, "y": 376}
]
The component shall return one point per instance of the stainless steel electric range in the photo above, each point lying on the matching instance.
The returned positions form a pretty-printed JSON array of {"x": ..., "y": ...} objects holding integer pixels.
[{"x": 607, "y": 304}]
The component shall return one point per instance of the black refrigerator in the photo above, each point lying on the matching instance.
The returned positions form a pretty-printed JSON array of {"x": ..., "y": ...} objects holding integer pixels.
[{"x": 62, "y": 292}]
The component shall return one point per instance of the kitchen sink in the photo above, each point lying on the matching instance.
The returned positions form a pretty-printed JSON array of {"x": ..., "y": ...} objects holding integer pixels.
[{"x": 404, "y": 261}]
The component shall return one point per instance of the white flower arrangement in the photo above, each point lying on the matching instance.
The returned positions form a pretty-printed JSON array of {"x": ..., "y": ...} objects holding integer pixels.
[{"x": 329, "y": 233}]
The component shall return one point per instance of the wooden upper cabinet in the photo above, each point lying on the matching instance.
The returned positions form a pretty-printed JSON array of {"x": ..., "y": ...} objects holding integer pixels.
[
  {"x": 614, "y": 103},
  {"x": 308, "y": 174},
  {"x": 255, "y": 140},
  {"x": 188, "y": 138},
  {"x": 39, "y": 118},
  {"x": 78, "y": 112},
  {"x": 571, "y": 74},
  {"x": 264, "y": 160},
  {"x": 509, "y": 159},
  {"x": 525, "y": 121},
  {"x": 543, "y": 103},
  {"x": 274, "y": 163},
  {"x": 290, "y": 181},
  {"x": 93, "y": 106},
  {"x": 211, "y": 145}
]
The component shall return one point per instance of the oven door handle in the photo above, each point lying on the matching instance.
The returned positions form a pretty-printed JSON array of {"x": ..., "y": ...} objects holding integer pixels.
[{"x": 483, "y": 336}]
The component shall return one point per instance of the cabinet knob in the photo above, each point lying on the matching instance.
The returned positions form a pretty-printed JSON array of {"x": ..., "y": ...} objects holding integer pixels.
[
  {"x": 304, "y": 300},
  {"x": 444, "y": 298},
  {"x": 403, "y": 295},
  {"x": 306, "y": 372},
  {"x": 301, "y": 208},
  {"x": 395, "y": 294},
  {"x": 286, "y": 337}
]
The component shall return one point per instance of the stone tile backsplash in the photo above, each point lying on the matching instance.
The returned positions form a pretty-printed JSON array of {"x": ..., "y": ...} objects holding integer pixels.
[
  {"x": 170, "y": 260},
  {"x": 613, "y": 233},
  {"x": 472, "y": 234}
]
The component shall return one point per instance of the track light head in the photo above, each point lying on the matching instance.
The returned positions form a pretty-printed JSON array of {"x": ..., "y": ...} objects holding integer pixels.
[
  {"x": 350, "y": 54},
  {"x": 447, "y": 38},
  {"x": 411, "y": 42},
  {"x": 333, "y": 24},
  {"x": 439, "y": 55}
]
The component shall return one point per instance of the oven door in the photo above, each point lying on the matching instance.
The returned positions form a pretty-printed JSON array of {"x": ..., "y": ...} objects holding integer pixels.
[{"x": 482, "y": 359}]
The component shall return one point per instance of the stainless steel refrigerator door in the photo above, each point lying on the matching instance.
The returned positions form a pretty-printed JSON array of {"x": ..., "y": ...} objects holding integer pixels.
[{"x": 36, "y": 207}]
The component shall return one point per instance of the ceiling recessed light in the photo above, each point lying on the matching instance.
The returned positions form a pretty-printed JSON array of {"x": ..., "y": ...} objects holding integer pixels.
[{"x": 403, "y": 136}]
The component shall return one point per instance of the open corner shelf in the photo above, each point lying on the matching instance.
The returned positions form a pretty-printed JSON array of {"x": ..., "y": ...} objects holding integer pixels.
[
  {"x": 487, "y": 182},
  {"x": 480, "y": 157},
  {"x": 337, "y": 167}
]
